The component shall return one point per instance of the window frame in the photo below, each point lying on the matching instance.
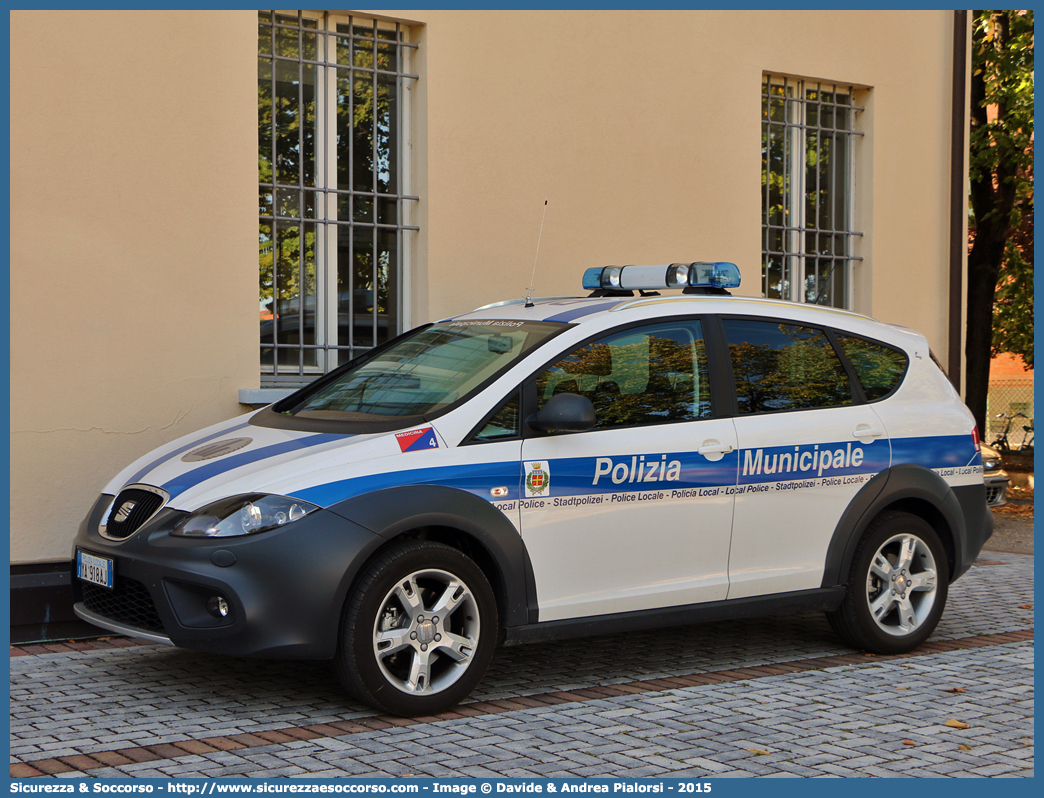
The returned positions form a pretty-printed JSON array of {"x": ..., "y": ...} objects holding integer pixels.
[
  {"x": 329, "y": 200},
  {"x": 854, "y": 387},
  {"x": 795, "y": 262},
  {"x": 858, "y": 395},
  {"x": 721, "y": 393},
  {"x": 720, "y": 373}
]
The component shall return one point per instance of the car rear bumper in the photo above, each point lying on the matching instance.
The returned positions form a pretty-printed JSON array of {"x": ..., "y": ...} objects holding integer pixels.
[
  {"x": 978, "y": 520},
  {"x": 996, "y": 488}
]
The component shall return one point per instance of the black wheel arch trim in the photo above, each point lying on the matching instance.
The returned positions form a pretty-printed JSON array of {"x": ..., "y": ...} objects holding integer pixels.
[
  {"x": 910, "y": 483},
  {"x": 392, "y": 512}
]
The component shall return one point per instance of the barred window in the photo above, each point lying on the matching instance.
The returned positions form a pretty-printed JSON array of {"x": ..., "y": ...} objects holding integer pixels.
[
  {"x": 335, "y": 207},
  {"x": 808, "y": 140}
]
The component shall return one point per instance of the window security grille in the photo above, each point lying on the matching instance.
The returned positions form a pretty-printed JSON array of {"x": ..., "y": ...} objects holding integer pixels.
[
  {"x": 333, "y": 127},
  {"x": 808, "y": 140}
]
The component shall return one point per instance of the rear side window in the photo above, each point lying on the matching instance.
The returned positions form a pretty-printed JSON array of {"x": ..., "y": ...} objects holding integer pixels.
[
  {"x": 779, "y": 366},
  {"x": 880, "y": 368}
]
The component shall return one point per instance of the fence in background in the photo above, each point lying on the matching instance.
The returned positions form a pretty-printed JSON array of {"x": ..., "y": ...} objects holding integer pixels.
[{"x": 1010, "y": 397}]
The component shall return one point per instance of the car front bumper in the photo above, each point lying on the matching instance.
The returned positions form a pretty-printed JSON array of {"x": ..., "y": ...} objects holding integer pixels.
[{"x": 284, "y": 588}]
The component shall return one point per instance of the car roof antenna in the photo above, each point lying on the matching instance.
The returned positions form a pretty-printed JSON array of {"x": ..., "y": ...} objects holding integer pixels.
[{"x": 532, "y": 277}]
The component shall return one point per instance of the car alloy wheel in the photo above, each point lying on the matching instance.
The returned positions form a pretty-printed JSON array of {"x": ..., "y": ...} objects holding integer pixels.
[
  {"x": 427, "y": 632},
  {"x": 897, "y": 586},
  {"x": 902, "y": 584},
  {"x": 419, "y": 629}
]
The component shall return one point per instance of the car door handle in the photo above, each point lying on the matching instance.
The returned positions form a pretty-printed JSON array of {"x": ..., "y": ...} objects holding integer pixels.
[
  {"x": 866, "y": 431},
  {"x": 715, "y": 447}
]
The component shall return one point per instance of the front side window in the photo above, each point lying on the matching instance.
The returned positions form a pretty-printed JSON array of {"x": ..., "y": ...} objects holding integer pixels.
[
  {"x": 426, "y": 372},
  {"x": 645, "y": 375},
  {"x": 808, "y": 142},
  {"x": 503, "y": 424},
  {"x": 778, "y": 366},
  {"x": 335, "y": 208}
]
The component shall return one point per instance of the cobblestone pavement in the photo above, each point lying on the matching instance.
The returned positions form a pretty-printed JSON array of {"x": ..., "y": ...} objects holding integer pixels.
[
  {"x": 776, "y": 696},
  {"x": 1012, "y": 529}
]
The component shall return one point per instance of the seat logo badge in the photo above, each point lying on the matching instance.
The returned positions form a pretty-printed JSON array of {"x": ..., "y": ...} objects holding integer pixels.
[
  {"x": 124, "y": 511},
  {"x": 538, "y": 479}
]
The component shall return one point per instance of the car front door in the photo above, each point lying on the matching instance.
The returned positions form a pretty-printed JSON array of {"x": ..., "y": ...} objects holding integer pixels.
[{"x": 635, "y": 513}]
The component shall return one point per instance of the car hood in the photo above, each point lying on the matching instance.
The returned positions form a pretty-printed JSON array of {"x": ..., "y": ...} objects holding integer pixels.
[{"x": 236, "y": 457}]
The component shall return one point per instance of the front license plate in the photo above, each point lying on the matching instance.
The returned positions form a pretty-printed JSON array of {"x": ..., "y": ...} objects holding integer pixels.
[{"x": 96, "y": 570}]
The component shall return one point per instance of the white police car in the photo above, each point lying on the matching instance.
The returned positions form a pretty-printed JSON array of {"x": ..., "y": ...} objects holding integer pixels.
[{"x": 555, "y": 468}]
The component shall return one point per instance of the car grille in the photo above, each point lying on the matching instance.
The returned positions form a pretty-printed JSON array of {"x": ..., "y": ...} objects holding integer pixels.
[
  {"x": 994, "y": 494},
  {"x": 128, "y": 602},
  {"x": 142, "y": 505}
]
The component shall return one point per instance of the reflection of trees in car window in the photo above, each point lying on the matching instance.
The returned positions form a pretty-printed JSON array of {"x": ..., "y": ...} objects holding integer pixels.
[
  {"x": 647, "y": 376},
  {"x": 784, "y": 367},
  {"x": 880, "y": 368}
]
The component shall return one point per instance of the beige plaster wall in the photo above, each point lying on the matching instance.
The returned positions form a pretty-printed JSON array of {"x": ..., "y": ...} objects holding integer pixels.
[
  {"x": 641, "y": 130},
  {"x": 133, "y": 263},
  {"x": 133, "y": 137}
]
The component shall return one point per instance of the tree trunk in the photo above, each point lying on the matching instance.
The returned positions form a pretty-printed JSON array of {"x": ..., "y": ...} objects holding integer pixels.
[
  {"x": 992, "y": 200},
  {"x": 983, "y": 267}
]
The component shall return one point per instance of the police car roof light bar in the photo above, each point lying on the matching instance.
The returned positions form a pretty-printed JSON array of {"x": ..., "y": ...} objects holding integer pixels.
[{"x": 702, "y": 274}]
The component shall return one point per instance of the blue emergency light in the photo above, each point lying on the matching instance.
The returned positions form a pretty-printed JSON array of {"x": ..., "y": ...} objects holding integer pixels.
[{"x": 703, "y": 274}]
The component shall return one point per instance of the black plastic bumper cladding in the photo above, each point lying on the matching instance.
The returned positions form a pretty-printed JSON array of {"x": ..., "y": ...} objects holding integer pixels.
[
  {"x": 395, "y": 511},
  {"x": 286, "y": 586},
  {"x": 962, "y": 510},
  {"x": 979, "y": 518}
]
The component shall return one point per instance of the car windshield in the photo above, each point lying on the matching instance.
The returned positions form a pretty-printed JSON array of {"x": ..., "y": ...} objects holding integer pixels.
[{"x": 426, "y": 371}]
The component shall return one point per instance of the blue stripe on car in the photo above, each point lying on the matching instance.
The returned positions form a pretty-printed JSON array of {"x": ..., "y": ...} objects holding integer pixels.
[
  {"x": 475, "y": 478},
  {"x": 576, "y": 475},
  {"x": 190, "y": 479},
  {"x": 170, "y": 455},
  {"x": 937, "y": 451}
]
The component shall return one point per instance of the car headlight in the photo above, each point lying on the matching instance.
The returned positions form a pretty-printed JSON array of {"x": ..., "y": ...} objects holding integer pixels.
[
  {"x": 242, "y": 515},
  {"x": 991, "y": 463}
]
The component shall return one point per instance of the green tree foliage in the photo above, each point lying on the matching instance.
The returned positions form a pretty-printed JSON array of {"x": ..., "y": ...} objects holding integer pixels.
[
  {"x": 1001, "y": 155},
  {"x": 879, "y": 368},
  {"x": 1013, "y": 304}
]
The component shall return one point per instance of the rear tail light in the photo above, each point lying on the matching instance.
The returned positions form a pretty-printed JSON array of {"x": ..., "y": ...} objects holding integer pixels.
[{"x": 975, "y": 439}]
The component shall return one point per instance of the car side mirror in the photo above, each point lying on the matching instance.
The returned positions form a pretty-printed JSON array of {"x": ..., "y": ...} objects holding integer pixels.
[{"x": 564, "y": 412}]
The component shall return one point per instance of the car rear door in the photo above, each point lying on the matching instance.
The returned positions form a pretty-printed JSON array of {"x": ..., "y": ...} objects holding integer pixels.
[{"x": 808, "y": 442}]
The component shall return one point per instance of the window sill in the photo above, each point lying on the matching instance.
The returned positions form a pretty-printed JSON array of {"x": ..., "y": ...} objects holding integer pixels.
[{"x": 262, "y": 397}]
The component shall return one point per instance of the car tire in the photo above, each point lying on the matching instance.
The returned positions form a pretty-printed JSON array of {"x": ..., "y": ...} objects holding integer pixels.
[
  {"x": 897, "y": 586},
  {"x": 418, "y": 631}
]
